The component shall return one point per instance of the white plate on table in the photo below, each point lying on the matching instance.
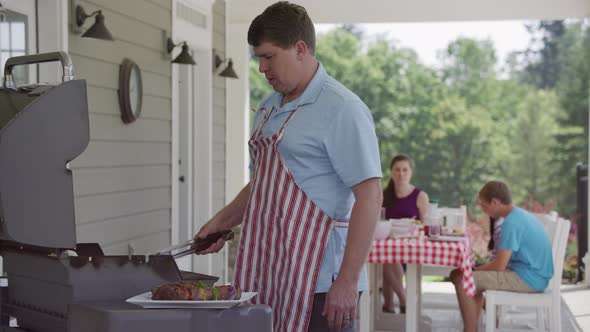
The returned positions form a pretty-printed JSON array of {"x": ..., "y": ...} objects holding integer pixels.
[
  {"x": 145, "y": 300},
  {"x": 403, "y": 236},
  {"x": 446, "y": 238},
  {"x": 454, "y": 234}
]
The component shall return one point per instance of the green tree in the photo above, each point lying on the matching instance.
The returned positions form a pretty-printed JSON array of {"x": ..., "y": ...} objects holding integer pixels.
[
  {"x": 561, "y": 61},
  {"x": 543, "y": 63},
  {"x": 469, "y": 69},
  {"x": 453, "y": 147},
  {"x": 532, "y": 137},
  {"x": 573, "y": 90}
]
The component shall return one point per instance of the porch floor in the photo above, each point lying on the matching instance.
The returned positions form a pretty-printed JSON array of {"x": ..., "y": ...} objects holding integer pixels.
[{"x": 442, "y": 312}]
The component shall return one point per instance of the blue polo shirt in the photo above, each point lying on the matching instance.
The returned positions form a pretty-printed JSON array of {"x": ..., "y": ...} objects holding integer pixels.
[
  {"x": 531, "y": 257},
  {"x": 330, "y": 146}
]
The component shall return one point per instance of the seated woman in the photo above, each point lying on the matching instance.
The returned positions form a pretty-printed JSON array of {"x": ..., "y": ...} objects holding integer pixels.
[
  {"x": 401, "y": 199},
  {"x": 523, "y": 261}
]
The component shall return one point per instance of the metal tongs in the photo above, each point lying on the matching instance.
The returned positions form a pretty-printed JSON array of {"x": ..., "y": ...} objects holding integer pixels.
[{"x": 196, "y": 245}]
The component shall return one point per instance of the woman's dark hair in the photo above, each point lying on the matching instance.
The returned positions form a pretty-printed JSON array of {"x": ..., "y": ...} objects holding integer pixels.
[
  {"x": 389, "y": 196},
  {"x": 282, "y": 24},
  {"x": 491, "y": 244}
]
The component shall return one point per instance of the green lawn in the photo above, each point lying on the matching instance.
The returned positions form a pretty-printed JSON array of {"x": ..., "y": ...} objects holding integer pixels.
[{"x": 433, "y": 278}]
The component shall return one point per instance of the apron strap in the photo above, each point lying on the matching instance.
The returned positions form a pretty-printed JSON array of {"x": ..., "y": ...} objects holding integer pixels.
[
  {"x": 341, "y": 223},
  {"x": 258, "y": 131},
  {"x": 282, "y": 130}
]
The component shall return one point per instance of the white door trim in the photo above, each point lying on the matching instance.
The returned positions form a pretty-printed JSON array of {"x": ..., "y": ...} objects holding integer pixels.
[
  {"x": 199, "y": 40},
  {"x": 237, "y": 121},
  {"x": 586, "y": 256},
  {"x": 28, "y": 8},
  {"x": 50, "y": 32},
  {"x": 52, "y": 35},
  {"x": 175, "y": 173}
]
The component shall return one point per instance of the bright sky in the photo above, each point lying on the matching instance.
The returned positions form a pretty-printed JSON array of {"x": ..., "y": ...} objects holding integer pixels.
[{"x": 428, "y": 38}]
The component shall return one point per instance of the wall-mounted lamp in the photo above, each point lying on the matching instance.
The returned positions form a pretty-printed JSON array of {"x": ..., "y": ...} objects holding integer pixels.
[
  {"x": 98, "y": 30},
  {"x": 229, "y": 70},
  {"x": 184, "y": 57}
]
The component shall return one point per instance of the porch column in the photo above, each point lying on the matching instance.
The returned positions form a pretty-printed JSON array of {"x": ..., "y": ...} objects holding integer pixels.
[
  {"x": 238, "y": 111},
  {"x": 586, "y": 257}
]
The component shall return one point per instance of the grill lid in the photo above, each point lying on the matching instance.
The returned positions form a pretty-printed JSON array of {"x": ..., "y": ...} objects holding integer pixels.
[{"x": 41, "y": 130}]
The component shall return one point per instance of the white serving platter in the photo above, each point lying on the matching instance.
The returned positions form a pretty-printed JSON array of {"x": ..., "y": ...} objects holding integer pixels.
[{"x": 145, "y": 300}]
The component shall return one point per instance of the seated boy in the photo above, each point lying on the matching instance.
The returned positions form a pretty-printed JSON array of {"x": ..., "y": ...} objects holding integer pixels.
[{"x": 523, "y": 262}]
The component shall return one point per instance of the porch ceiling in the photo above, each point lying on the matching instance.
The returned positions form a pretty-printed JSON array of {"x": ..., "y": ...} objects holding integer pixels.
[{"x": 381, "y": 11}]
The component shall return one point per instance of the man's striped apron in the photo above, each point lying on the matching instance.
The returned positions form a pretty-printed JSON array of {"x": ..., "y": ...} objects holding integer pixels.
[{"x": 284, "y": 236}]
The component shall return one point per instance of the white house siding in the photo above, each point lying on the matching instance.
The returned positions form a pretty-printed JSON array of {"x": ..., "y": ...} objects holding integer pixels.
[
  {"x": 122, "y": 181},
  {"x": 219, "y": 109},
  {"x": 220, "y": 266}
]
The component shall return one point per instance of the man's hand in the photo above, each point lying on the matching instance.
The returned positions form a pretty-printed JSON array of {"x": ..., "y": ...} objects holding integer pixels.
[
  {"x": 340, "y": 305},
  {"x": 209, "y": 228},
  {"x": 342, "y": 298},
  {"x": 227, "y": 218}
]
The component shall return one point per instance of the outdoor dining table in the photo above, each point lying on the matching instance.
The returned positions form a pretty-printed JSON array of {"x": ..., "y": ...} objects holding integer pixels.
[{"x": 419, "y": 251}]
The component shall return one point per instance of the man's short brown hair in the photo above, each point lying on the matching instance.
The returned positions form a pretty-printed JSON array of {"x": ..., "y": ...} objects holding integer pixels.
[
  {"x": 282, "y": 24},
  {"x": 495, "y": 189}
]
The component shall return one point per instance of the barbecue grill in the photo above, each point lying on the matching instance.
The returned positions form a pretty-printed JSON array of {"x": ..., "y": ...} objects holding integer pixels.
[{"x": 53, "y": 283}]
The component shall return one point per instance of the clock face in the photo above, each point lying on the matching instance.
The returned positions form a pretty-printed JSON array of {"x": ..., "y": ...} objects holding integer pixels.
[
  {"x": 130, "y": 91},
  {"x": 135, "y": 91}
]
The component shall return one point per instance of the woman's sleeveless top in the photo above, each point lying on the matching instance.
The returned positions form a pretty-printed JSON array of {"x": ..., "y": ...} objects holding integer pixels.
[{"x": 405, "y": 207}]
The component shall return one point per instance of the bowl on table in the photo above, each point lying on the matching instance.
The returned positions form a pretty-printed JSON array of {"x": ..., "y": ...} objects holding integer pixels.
[
  {"x": 404, "y": 221},
  {"x": 402, "y": 230},
  {"x": 382, "y": 230}
]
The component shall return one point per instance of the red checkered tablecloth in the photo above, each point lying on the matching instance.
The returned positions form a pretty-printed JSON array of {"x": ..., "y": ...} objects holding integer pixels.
[{"x": 424, "y": 251}]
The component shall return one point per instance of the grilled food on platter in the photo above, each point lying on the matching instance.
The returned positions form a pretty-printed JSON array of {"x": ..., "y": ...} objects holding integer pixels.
[{"x": 196, "y": 291}]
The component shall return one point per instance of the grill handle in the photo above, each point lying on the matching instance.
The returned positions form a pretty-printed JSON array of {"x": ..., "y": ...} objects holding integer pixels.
[{"x": 63, "y": 57}]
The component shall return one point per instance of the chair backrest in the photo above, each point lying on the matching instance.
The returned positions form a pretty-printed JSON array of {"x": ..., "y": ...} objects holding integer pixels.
[
  {"x": 558, "y": 231},
  {"x": 550, "y": 222},
  {"x": 454, "y": 217}
]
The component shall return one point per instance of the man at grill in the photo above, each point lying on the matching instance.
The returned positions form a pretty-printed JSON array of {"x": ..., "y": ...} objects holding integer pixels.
[{"x": 309, "y": 211}]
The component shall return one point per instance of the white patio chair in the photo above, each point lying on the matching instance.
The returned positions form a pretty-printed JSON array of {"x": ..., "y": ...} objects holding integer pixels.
[
  {"x": 550, "y": 300},
  {"x": 504, "y": 310}
]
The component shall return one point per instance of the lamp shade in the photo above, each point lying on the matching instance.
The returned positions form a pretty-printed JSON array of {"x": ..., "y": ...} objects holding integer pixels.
[
  {"x": 184, "y": 57},
  {"x": 98, "y": 30},
  {"x": 229, "y": 70}
]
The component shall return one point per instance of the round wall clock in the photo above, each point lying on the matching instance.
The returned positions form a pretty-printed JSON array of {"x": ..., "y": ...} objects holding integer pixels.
[{"x": 130, "y": 90}]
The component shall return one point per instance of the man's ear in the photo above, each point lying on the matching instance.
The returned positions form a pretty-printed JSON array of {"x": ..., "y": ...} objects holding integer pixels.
[{"x": 301, "y": 49}]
